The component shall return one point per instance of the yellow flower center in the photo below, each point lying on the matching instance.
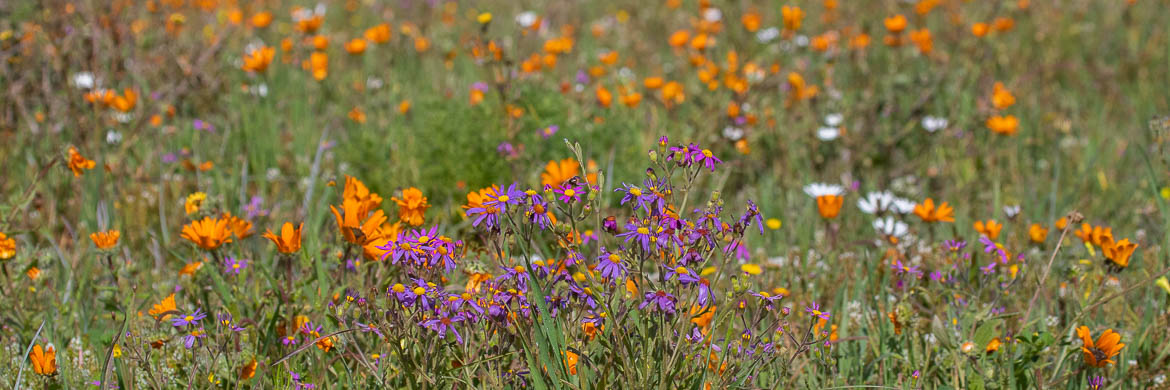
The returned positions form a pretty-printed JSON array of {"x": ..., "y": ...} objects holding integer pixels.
[
  {"x": 424, "y": 240},
  {"x": 643, "y": 230},
  {"x": 189, "y": 318},
  {"x": 635, "y": 191},
  {"x": 398, "y": 287},
  {"x": 419, "y": 291},
  {"x": 614, "y": 258},
  {"x": 518, "y": 269},
  {"x": 570, "y": 192},
  {"x": 680, "y": 270},
  {"x": 503, "y": 198},
  {"x": 706, "y": 152}
]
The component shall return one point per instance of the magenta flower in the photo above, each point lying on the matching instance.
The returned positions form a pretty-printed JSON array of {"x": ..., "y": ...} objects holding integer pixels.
[
  {"x": 610, "y": 265},
  {"x": 569, "y": 193},
  {"x": 444, "y": 323},
  {"x": 233, "y": 265},
  {"x": 815, "y": 311}
]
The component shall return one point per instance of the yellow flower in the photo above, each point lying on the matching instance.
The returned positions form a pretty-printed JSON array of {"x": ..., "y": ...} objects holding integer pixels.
[
  {"x": 1100, "y": 353},
  {"x": 105, "y": 240},
  {"x": 194, "y": 202},
  {"x": 484, "y": 18},
  {"x": 208, "y": 233},
  {"x": 289, "y": 240},
  {"x": 412, "y": 206},
  {"x": 44, "y": 361},
  {"x": 773, "y": 223},
  {"x": 78, "y": 163},
  {"x": 751, "y": 269},
  {"x": 7, "y": 247}
]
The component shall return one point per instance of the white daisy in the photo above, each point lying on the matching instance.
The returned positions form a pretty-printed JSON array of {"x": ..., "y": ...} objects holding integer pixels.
[
  {"x": 768, "y": 34},
  {"x": 876, "y": 202},
  {"x": 733, "y": 133},
  {"x": 890, "y": 227},
  {"x": 933, "y": 123},
  {"x": 817, "y": 190},
  {"x": 834, "y": 119},
  {"x": 1011, "y": 211},
  {"x": 83, "y": 80},
  {"x": 828, "y": 133},
  {"x": 526, "y": 19}
]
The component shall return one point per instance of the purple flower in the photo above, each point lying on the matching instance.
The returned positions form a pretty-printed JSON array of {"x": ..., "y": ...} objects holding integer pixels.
[
  {"x": 815, "y": 311},
  {"x": 636, "y": 196},
  {"x": 610, "y": 265},
  {"x": 569, "y": 193},
  {"x": 480, "y": 86},
  {"x": 685, "y": 276},
  {"x": 767, "y": 299},
  {"x": 537, "y": 213},
  {"x": 511, "y": 196},
  {"x": 640, "y": 234},
  {"x": 233, "y": 265},
  {"x": 205, "y": 126},
  {"x": 1096, "y": 383},
  {"x": 444, "y": 323},
  {"x": 582, "y": 77},
  {"x": 955, "y": 245},
  {"x": 195, "y": 335},
  {"x": 226, "y": 320},
  {"x": 901, "y": 269},
  {"x": 707, "y": 159},
  {"x": 548, "y": 131},
  {"x": 189, "y": 319},
  {"x": 255, "y": 208},
  {"x": 659, "y": 300}
]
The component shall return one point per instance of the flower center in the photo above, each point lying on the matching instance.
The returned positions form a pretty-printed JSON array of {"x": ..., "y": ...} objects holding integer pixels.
[
  {"x": 706, "y": 153},
  {"x": 419, "y": 291},
  {"x": 424, "y": 240},
  {"x": 570, "y": 192},
  {"x": 614, "y": 258},
  {"x": 680, "y": 270},
  {"x": 189, "y": 318},
  {"x": 635, "y": 191},
  {"x": 643, "y": 230},
  {"x": 503, "y": 198},
  {"x": 1099, "y": 354}
]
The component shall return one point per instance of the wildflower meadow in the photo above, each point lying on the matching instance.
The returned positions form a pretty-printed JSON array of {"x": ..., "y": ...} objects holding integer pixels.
[{"x": 669, "y": 194}]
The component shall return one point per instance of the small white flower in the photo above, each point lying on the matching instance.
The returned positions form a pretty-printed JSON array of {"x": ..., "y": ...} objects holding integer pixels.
[
  {"x": 933, "y": 123},
  {"x": 767, "y": 35},
  {"x": 712, "y": 14},
  {"x": 374, "y": 82},
  {"x": 821, "y": 189},
  {"x": 801, "y": 41},
  {"x": 890, "y": 227},
  {"x": 1011, "y": 211},
  {"x": 526, "y": 19},
  {"x": 259, "y": 90},
  {"x": 123, "y": 117},
  {"x": 1052, "y": 321},
  {"x": 1160, "y": 379},
  {"x": 320, "y": 9},
  {"x": 83, "y": 80},
  {"x": 834, "y": 119},
  {"x": 903, "y": 206},
  {"x": 828, "y": 133},
  {"x": 113, "y": 137},
  {"x": 733, "y": 133},
  {"x": 876, "y": 202},
  {"x": 272, "y": 174}
]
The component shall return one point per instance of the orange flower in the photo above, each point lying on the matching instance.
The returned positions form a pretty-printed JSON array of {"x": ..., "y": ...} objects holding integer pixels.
[
  {"x": 557, "y": 173},
  {"x": 262, "y": 19},
  {"x": 1061, "y": 223},
  {"x": 190, "y": 268},
  {"x": 1119, "y": 253},
  {"x": 357, "y": 115},
  {"x": 126, "y": 101},
  {"x": 378, "y": 34},
  {"x": 248, "y": 371},
  {"x": 105, "y": 240},
  {"x": 1001, "y": 97},
  {"x": 208, "y": 233},
  {"x": 604, "y": 97},
  {"x": 923, "y": 40},
  {"x": 355, "y": 222},
  {"x": 990, "y": 228},
  {"x": 799, "y": 90},
  {"x": 896, "y": 24},
  {"x": 1099, "y": 235},
  {"x": 356, "y": 46},
  {"x": 257, "y": 60},
  {"x": 404, "y": 107},
  {"x": 78, "y": 163},
  {"x": 1005, "y": 124},
  {"x": 307, "y": 24},
  {"x": 631, "y": 100},
  {"x": 1100, "y": 353},
  {"x": 289, "y": 240},
  {"x": 33, "y": 273},
  {"x": 751, "y": 21},
  {"x": 702, "y": 316},
  {"x": 421, "y": 44},
  {"x": 672, "y": 93},
  {"x": 830, "y": 205},
  {"x": 993, "y": 345},
  {"x": 412, "y": 206},
  {"x": 679, "y": 38},
  {"x": 1003, "y": 24},
  {"x": 1037, "y": 233},
  {"x": 7, "y": 247},
  {"x": 167, "y": 305},
  {"x": 44, "y": 361},
  {"x": 318, "y": 64},
  {"x": 240, "y": 228},
  {"x": 928, "y": 212},
  {"x": 571, "y": 361},
  {"x": 792, "y": 16},
  {"x": 980, "y": 29},
  {"x": 860, "y": 41}
]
